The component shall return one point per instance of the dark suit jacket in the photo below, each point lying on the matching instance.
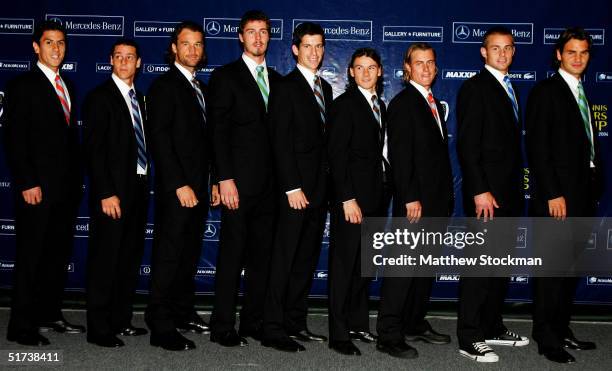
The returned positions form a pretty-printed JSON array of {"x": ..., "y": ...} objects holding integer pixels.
[
  {"x": 355, "y": 151},
  {"x": 241, "y": 137},
  {"x": 299, "y": 136},
  {"x": 110, "y": 143},
  {"x": 42, "y": 149},
  {"x": 489, "y": 144},
  {"x": 559, "y": 149},
  {"x": 419, "y": 154},
  {"x": 177, "y": 134}
]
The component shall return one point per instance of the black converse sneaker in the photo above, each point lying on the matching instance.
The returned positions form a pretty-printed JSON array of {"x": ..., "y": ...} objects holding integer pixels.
[
  {"x": 509, "y": 339},
  {"x": 479, "y": 352}
]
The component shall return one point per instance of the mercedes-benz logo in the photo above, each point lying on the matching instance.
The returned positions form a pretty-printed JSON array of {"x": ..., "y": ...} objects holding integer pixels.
[
  {"x": 462, "y": 32},
  {"x": 210, "y": 230},
  {"x": 56, "y": 19},
  {"x": 213, "y": 28}
]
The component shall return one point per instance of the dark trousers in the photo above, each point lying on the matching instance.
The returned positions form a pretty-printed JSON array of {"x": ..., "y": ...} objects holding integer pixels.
[
  {"x": 552, "y": 303},
  {"x": 295, "y": 256},
  {"x": 44, "y": 235},
  {"x": 246, "y": 239},
  {"x": 113, "y": 261},
  {"x": 177, "y": 246}
]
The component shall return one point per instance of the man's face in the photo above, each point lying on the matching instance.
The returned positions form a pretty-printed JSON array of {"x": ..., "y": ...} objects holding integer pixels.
[
  {"x": 254, "y": 38},
  {"x": 498, "y": 52},
  {"x": 310, "y": 52},
  {"x": 575, "y": 57},
  {"x": 422, "y": 67},
  {"x": 366, "y": 72},
  {"x": 125, "y": 62},
  {"x": 189, "y": 48},
  {"x": 51, "y": 49}
]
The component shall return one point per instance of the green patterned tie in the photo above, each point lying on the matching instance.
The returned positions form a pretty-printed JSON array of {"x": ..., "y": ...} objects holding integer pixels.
[
  {"x": 261, "y": 82},
  {"x": 583, "y": 104}
]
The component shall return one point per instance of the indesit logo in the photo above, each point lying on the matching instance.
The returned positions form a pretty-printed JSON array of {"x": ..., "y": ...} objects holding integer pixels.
[
  {"x": 89, "y": 25},
  {"x": 227, "y": 28},
  {"x": 16, "y": 26},
  {"x": 14, "y": 65},
  {"x": 472, "y": 32},
  {"x": 156, "y": 68},
  {"x": 342, "y": 30}
]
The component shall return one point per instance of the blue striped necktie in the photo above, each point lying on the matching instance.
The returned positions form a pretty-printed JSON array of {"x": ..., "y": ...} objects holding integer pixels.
[
  {"x": 141, "y": 159},
  {"x": 318, "y": 92},
  {"x": 512, "y": 97},
  {"x": 196, "y": 86},
  {"x": 263, "y": 87}
]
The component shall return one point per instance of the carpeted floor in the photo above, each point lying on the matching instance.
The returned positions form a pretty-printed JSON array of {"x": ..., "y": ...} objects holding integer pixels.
[{"x": 139, "y": 355}]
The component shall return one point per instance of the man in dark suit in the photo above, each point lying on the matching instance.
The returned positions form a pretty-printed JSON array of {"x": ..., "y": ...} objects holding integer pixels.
[
  {"x": 42, "y": 152},
  {"x": 115, "y": 144},
  {"x": 178, "y": 135},
  {"x": 489, "y": 149},
  {"x": 298, "y": 110},
  {"x": 564, "y": 160},
  {"x": 239, "y": 94},
  {"x": 423, "y": 186},
  {"x": 357, "y": 151}
]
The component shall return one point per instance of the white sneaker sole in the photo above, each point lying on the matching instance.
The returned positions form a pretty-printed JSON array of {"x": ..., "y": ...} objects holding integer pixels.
[
  {"x": 488, "y": 358},
  {"x": 508, "y": 343}
]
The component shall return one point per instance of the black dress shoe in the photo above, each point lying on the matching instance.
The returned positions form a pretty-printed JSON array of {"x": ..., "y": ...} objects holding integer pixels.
[
  {"x": 171, "y": 341},
  {"x": 558, "y": 355},
  {"x": 198, "y": 327},
  {"x": 31, "y": 338},
  {"x": 132, "y": 331},
  {"x": 228, "y": 339},
  {"x": 430, "y": 336},
  {"x": 398, "y": 349},
  {"x": 306, "y": 335},
  {"x": 571, "y": 342},
  {"x": 254, "y": 333},
  {"x": 364, "y": 336},
  {"x": 62, "y": 326},
  {"x": 107, "y": 341},
  {"x": 345, "y": 347},
  {"x": 284, "y": 344}
]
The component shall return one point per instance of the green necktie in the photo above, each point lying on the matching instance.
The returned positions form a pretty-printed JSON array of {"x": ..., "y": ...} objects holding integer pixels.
[
  {"x": 583, "y": 104},
  {"x": 261, "y": 82}
]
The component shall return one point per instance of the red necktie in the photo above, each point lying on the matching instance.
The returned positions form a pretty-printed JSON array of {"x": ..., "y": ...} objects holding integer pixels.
[
  {"x": 432, "y": 105},
  {"x": 61, "y": 94}
]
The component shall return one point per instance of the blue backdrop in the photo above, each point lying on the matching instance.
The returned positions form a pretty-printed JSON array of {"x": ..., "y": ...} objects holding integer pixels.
[{"x": 454, "y": 28}]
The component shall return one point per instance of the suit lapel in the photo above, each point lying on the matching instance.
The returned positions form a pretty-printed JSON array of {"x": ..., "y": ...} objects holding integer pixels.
[
  {"x": 307, "y": 94},
  {"x": 49, "y": 91},
  {"x": 504, "y": 100},
  {"x": 247, "y": 76}
]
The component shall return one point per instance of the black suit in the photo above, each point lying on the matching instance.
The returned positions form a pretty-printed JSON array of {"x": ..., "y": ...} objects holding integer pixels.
[
  {"x": 115, "y": 246},
  {"x": 418, "y": 153},
  {"x": 489, "y": 149},
  {"x": 243, "y": 152},
  {"x": 300, "y": 155},
  {"x": 42, "y": 150},
  {"x": 559, "y": 160},
  {"x": 355, "y": 146},
  {"x": 178, "y": 140}
]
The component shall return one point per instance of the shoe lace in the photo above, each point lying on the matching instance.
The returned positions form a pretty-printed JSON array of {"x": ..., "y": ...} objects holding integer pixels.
[{"x": 482, "y": 347}]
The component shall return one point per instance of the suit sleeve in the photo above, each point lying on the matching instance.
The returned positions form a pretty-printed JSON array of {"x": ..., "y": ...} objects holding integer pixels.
[
  {"x": 401, "y": 151},
  {"x": 338, "y": 148},
  {"x": 221, "y": 102},
  {"x": 96, "y": 119},
  {"x": 281, "y": 116},
  {"x": 469, "y": 142},
  {"x": 539, "y": 126},
  {"x": 18, "y": 127},
  {"x": 161, "y": 113}
]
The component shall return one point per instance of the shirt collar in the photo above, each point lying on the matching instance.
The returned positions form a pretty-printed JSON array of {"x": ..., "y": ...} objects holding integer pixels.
[
  {"x": 499, "y": 76},
  {"x": 123, "y": 87},
  {"x": 308, "y": 74},
  {"x": 569, "y": 79},
  {"x": 48, "y": 72},
  {"x": 251, "y": 64},
  {"x": 366, "y": 94},
  {"x": 424, "y": 92},
  {"x": 188, "y": 75}
]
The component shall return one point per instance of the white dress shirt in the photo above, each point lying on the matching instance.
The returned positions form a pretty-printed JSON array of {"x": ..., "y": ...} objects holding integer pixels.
[
  {"x": 425, "y": 92},
  {"x": 252, "y": 65},
  {"x": 499, "y": 76},
  {"x": 368, "y": 96},
  {"x": 51, "y": 76}
]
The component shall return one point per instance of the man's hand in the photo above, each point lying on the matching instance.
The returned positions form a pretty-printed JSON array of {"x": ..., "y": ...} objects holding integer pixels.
[
  {"x": 186, "y": 196},
  {"x": 485, "y": 205},
  {"x": 32, "y": 196},
  {"x": 413, "y": 211},
  {"x": 215, "y": 197},
  {"x": 557, "y": 209},
  {"x": 229, "y": 194},
  {"x": 297, "y": 200},
  {"x": 110, "y": 207},
  {"x": 352, "y": 212}
]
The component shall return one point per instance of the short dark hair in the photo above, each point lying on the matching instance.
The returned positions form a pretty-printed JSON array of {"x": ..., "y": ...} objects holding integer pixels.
[
  {"x": 189, "y": 25},
  {"x": 125, "y": 41},
  {"x": 253, "y": 15},
  {"x": 306, "y": 28},
  {"x": 408, "y": 55},
  {"x": 47, "y": 25},
  {"x": 570, "y": 33},
  {"x": 496, "y": 30},
  {"x": 365, "y": 52}
]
